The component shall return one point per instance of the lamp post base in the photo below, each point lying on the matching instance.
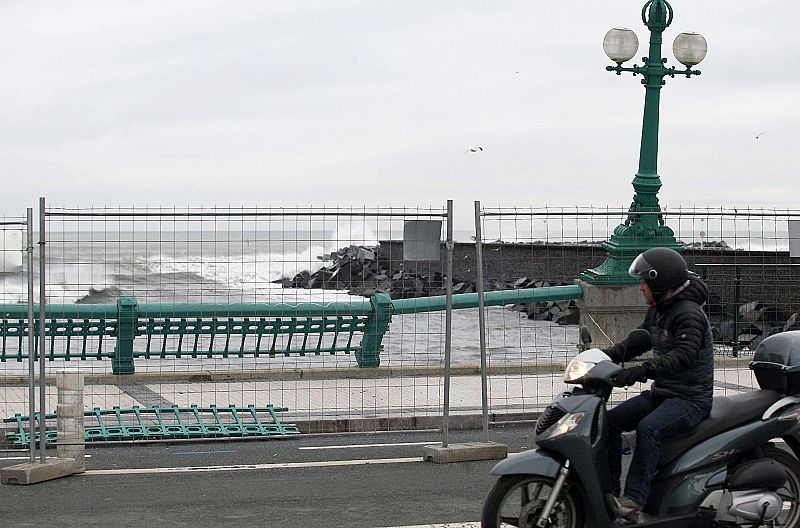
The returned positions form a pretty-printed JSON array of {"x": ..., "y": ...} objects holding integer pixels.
[
  {"x": 610, "y": 312},
  {"x": 627, "y": 242}
]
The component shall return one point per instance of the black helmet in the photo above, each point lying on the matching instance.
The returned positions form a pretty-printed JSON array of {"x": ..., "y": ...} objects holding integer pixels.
[{"x": 661, "y": 268}]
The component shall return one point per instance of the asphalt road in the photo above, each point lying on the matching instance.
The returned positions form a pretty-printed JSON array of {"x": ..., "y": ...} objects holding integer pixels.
[{"x": 353, "y": 480}]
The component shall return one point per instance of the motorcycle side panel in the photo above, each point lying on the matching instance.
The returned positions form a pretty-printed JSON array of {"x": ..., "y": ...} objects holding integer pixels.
[
  {"x": 534, "y": 462},
  {"x": 683, "y": 484},
  {"x": 727, "y": 445}
]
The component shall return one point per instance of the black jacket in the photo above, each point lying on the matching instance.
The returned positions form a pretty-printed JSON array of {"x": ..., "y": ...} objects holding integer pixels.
[{"x": 683, "y": 356}]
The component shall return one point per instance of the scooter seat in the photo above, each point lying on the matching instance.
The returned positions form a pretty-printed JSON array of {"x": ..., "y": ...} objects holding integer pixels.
[{"x": 726, "y": 413}]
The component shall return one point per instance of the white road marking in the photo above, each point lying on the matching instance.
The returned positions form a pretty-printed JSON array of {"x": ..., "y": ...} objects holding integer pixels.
[
  {"x": 28, "y": 457},
  {"x": 250, "y": 467},
  {"x": 367, "y": 445},
  {"x": 449, "y": 525}
]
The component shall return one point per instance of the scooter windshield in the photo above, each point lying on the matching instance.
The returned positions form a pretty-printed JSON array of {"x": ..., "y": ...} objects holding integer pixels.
[{"x": 583, "y": 363}]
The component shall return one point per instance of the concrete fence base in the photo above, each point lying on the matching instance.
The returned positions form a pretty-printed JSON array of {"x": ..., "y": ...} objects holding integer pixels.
[{"x": 70, "y": 442}]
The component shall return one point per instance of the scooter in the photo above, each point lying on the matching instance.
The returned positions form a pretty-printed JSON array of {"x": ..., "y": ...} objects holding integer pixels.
[{"x": 727, "y": 472}]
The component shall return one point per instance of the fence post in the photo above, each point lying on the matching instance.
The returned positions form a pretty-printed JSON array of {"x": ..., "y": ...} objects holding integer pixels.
[
  {"x": 481, "y": 321},
  {"x": 377, "y": 325},
  {"x": 448, "y": 327},
  {"x": 31, "y": 340},
  {"x": 42, "y": 330},
  {"x": 127, "y": 316}
]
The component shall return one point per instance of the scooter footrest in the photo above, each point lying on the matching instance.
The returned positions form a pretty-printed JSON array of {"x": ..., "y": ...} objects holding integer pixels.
[{"x": 699, "y": 519}]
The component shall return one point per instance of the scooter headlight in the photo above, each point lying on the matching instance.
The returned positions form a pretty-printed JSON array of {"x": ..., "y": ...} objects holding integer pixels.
[
  {"x": 576, "y": 370},
  {"x": 563, "y": 426}
]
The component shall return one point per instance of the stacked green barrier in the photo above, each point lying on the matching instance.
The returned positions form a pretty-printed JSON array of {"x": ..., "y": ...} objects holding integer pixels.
[{"x": 156, "y": 423}]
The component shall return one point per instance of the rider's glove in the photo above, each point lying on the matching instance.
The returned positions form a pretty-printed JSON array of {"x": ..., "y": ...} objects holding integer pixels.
[
  {"x": 612, "y": 353},
  {"x": 632, "y": 375}
]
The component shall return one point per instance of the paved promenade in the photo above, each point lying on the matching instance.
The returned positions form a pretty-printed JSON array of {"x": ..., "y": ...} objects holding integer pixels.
[{"x": 347, "y": 403}]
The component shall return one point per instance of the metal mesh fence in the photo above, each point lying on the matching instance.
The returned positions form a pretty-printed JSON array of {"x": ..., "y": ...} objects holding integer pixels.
[
  {"x": 14, "y": 272},
  {"x": 240, "y": 307},
  {"x": 743, "y": 255},
  {"x": 232, "y": 316}
]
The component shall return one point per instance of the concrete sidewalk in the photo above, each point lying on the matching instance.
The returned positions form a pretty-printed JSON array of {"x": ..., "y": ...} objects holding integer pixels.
[{"x": 344, "y": 403}]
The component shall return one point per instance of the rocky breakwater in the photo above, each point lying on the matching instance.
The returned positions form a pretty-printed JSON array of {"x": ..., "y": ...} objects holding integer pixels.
[
  {"x": 362, "y": 271},
  {"x": 748, "y": 324}
]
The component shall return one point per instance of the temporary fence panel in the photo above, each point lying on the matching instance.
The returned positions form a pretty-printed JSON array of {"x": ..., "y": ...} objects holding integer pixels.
[
  {"x": 742, "y": 254},
  {"x": 15, "y": 385},
  {"x": 243, "y": 307}
]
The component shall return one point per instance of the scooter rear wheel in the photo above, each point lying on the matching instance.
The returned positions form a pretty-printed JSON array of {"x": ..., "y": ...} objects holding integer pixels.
[
  {"x": 517, "y": 500},
  {"x": 790, "y": 492}
]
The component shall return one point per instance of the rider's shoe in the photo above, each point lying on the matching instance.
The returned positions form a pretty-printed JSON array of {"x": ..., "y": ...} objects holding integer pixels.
[
  {"x": 646, "y": 518},
  {"x": 627, "y": 509}
]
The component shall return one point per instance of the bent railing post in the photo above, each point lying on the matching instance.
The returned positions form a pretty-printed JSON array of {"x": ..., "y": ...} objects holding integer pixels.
[
  {"x": 376, "y": 327},
  {"x": 127, "y": 317}
]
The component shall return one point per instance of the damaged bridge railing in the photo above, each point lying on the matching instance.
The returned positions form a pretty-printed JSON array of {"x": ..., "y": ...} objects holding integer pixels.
[{"x": 128, "y": 331}]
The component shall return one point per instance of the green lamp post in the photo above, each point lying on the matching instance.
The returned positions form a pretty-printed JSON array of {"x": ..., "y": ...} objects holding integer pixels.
[{"x": 645, "y": 227}]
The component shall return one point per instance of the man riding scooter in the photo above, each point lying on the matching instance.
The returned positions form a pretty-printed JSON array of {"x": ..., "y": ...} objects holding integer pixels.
[{"x": 682, "y": 368}]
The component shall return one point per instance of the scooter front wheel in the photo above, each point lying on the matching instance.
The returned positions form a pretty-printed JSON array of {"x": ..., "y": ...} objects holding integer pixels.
[{"x": 517, "y": 500}]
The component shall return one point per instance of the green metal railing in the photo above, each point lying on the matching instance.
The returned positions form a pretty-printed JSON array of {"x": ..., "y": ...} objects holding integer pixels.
[
  {"x": 127, "y": 330},
  {"x": 154, "y": 423}
]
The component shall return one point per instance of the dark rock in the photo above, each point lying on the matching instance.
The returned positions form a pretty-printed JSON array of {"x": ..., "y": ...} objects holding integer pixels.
[
  {"x": 364, "y": 291},
  {"x": 714, "y": 305},
  {"x": 301, "y": 279},
  {"x": 521, "y": 283},
  {"x": 793, "y": 323},
  {"x": 748, "y": 333},
  {"x": 751, "y": 312},
  {"x": 321, "y": 279},
  {"x": 463, "y": 287},
  {"x": 774, "y": 316},
  {"x": 102, "y": 296},
  {"x": 571, "y": 316},
  {"x": 727, "y": 332}
]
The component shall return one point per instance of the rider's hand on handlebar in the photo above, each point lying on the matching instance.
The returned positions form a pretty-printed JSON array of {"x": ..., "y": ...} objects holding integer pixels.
[{"x": 632, "y": 375}]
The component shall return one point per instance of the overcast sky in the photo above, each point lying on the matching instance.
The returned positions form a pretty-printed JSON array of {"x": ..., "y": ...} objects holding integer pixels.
[{"x": 288, "y": 103}]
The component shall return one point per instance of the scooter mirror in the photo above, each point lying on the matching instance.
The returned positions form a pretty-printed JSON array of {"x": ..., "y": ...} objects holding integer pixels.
[{"x": 586, "y": 336}]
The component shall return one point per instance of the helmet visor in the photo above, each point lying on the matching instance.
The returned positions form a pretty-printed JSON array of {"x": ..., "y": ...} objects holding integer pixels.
[{"x": 642, "y": 269}]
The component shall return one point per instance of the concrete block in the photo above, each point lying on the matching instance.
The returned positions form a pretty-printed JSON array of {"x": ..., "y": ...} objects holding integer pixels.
[
  {"x": 64, "y": 410},
  {"x": 69, "y": 380},
  {"x": 33, "y": 472},
  {"x": 70, "y": 430},
  {"x": 75, "y": 452},
  {"x": 70, "y": 397},
  {"x": 465, "y": 452},
  {"x": 615, "y": 309}
]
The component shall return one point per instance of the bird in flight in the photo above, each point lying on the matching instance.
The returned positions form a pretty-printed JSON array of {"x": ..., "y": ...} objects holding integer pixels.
[{"x": 474, "y": 149}]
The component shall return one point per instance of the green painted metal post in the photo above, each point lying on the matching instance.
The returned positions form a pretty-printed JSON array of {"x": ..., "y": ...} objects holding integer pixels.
[
  {"x": 377, "y": 325},
  {"x": 645, "y": 226},
  {"x": 127, "y": 317}
]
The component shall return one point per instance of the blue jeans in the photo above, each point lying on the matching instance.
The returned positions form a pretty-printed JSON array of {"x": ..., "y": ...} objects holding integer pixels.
[{"x": 655, "y": 419}]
